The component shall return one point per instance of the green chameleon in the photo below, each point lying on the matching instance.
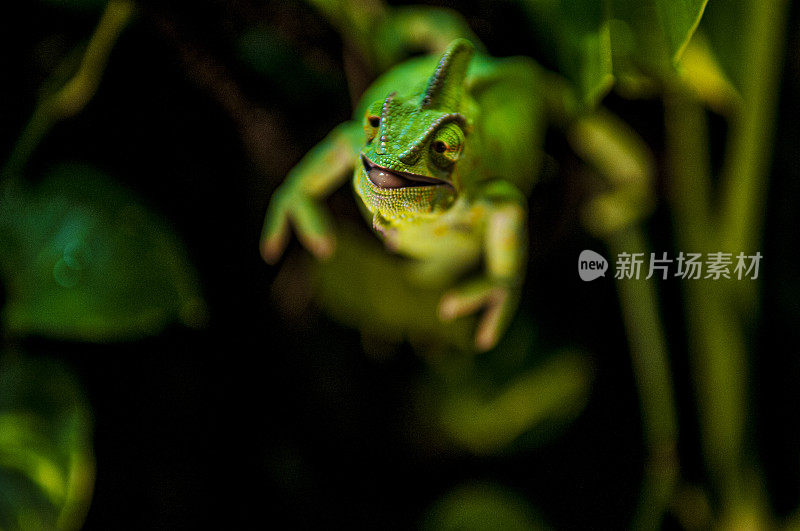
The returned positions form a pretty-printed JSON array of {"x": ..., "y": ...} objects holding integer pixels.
[{"x": 442, "y": 152}]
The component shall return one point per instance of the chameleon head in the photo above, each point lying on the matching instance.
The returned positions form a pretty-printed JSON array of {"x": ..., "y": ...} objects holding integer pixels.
[{"x": 413, "y": 144}]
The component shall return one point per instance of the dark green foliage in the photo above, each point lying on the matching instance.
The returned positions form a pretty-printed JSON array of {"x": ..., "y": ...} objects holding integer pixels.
[
  {"x": 46, "y": 463},
  {"x": 83, "y": 259}
]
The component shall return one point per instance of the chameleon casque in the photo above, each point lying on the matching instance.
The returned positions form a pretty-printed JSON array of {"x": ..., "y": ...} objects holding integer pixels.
[{"x": 442, "y": 152}]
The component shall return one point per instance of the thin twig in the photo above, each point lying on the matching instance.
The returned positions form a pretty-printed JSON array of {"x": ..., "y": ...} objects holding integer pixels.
[{"x": 73, "y": 96}]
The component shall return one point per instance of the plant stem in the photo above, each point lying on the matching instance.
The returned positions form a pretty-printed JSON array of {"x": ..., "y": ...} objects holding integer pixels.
[
  {"x": 73, "y": 96},
  {"x": 639, "y": 303},
  {"x": 747, "y": 157},
  {"x": 716, "y": 340}
]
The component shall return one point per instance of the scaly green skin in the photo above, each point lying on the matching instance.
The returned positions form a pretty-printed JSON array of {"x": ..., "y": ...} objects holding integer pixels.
[{"x": 467, "y": 128}]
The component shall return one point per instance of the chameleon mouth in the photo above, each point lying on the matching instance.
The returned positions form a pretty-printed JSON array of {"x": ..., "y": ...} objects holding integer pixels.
[{"x": 385, "y": 178}]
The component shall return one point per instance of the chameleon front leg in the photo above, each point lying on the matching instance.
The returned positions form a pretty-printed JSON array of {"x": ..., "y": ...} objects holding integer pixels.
[
  {"x": 497, "y": 291},
  {"x": 298, "y": 200}
]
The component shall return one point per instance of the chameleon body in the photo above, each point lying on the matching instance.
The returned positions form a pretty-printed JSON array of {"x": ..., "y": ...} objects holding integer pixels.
[{"x": 443, "y": 151}]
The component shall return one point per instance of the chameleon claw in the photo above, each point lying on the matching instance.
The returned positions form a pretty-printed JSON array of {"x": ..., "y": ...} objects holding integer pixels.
[
  {"x": 448, "y": 308},
  {"x": 272, "y": 248},
  {"x": 488, "y": 334},
  {"x": 454, "y": 305},
  {"x": 485, "y": 339},
  {"x": 274, "y": 239},
  {"x": 470, "y": 299}
]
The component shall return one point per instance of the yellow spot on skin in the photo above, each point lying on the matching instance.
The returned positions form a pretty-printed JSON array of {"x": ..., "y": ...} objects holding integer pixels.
[
  {"x": 439, "y": 231},
  {"x": 477, "y": 213}
]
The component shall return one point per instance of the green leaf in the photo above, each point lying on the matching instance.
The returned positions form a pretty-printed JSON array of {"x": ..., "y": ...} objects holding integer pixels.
[
  {"x": 485, "y": 421},
  {"x": 601, "y": 41},
  {"x": 639, "y": 41},
  {"x": 482, "y": 507},
  {"x": 81, "y": 5},
  {"x": 701, "y": 70},
  {"x": 46, "y": 460},
  {"x": 83, "y": 259},
  {"x": 517, "y": 395},
  {"x": 356, "y": 21},
  {"x": 413, "y": 29},
  {"x": 580, "y": 33},
  {"x": 650, "y": 36},
  {"x": 724, "y": 24},
  {"x": 679, "y": 18}
]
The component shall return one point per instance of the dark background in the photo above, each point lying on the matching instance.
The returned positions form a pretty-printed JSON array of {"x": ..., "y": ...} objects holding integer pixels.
[{"x": 259, "y": 419}]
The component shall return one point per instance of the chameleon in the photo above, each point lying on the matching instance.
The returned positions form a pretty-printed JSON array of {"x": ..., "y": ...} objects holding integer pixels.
[{"x": 442, "y": 153}]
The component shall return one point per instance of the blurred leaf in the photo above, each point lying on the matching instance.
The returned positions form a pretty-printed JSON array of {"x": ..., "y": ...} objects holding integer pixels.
[
  {"x": 519, "y": 393},
  {"x": 542, "y": 398},
  {"x": 649, "y": 37},
  {"x": 579, "y": 32},
  {"x": 46, "y": 461},
  {"x": 84, "y": 5},
  {"x": 700, "y": 70},
  {"x": 367, "y": 288},
  {"x": 356, "y": 21},
  {"x": 679, "y": 18},
  {"x": 724, "y": 23},
  {"x": 83, "y": 259},
  {"x": 410, "y": 30},
  {"x": 383, "y": 35},
  {"x": 639, "y": 41},
  {"x": 482, "y": 507},
  {"x": 626, "y": 167},
  {"x": 600, "y": 41}
]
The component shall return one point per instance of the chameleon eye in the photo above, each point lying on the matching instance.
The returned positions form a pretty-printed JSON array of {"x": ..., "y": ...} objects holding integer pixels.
[
  {"x": 371, "y": 124},
  {"x": 446, "y": 145}
]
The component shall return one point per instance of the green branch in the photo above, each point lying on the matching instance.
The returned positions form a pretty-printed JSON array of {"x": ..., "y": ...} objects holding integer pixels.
[
  {"x": 639, "y": 302},
  {"x": 744, "y": 182},
  {"x": 73, "y": 96},
  {"x": 717, "y": 347}
]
